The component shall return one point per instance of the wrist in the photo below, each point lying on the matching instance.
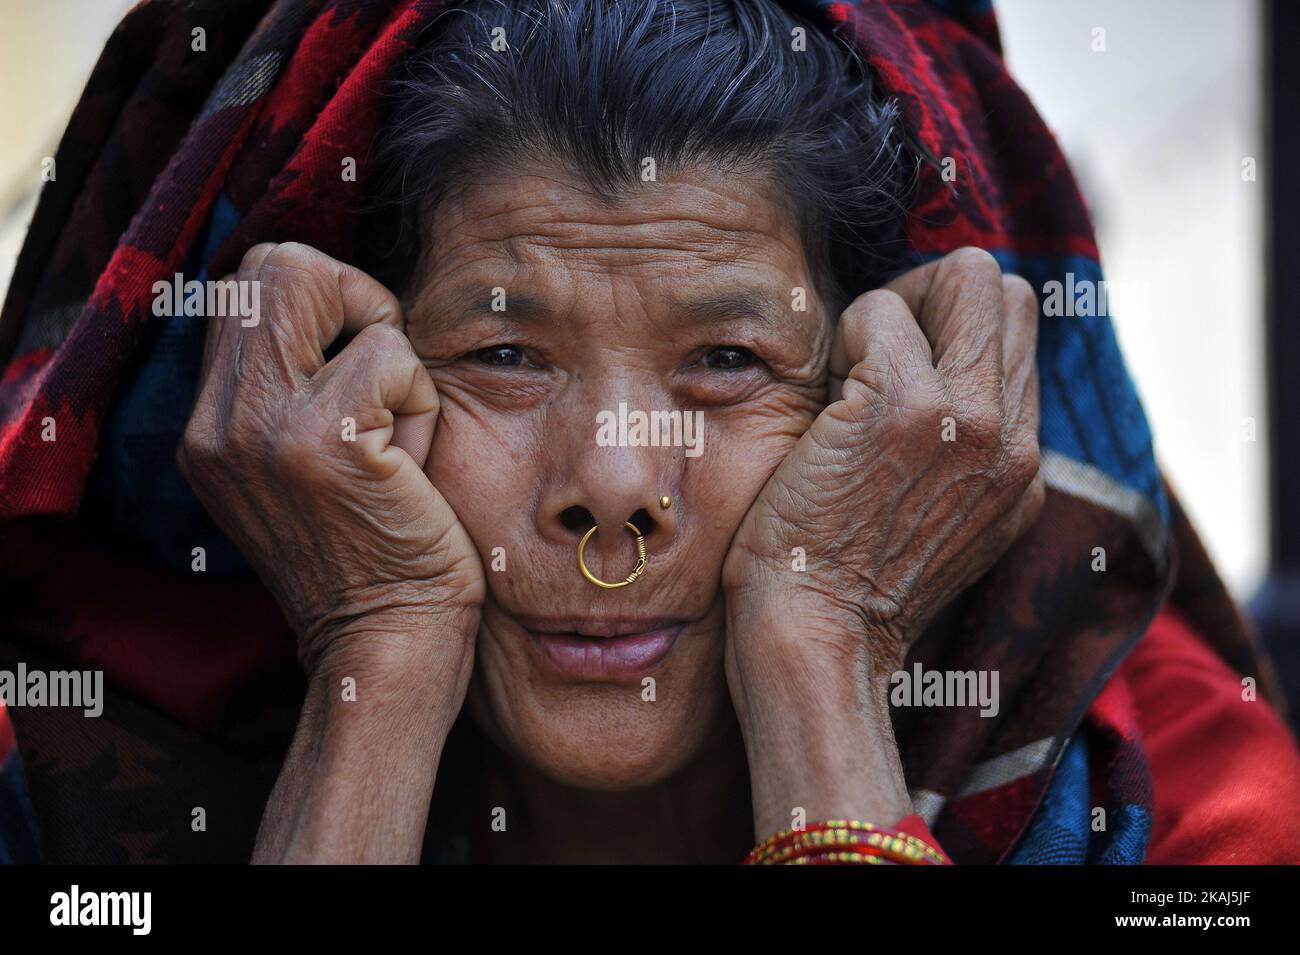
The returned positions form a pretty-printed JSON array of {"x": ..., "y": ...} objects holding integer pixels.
[
  {"x": 800, "y": 610},
  {"x": 403, "y": 674},
  {"x": 811, "y": 696},
  {"x": 825, "y": 776},
  {"x": 357, "y": 781},
  {"x": 817, "y": 647},
  {"x": 418, "y": 641}
]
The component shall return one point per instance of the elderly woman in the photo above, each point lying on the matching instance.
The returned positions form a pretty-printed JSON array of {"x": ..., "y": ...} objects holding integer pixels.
[{"x": 581, "y": 212}]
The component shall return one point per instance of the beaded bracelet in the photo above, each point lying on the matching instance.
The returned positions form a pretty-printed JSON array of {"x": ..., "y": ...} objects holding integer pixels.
[
  {"x": 872, "y": 843},
  {"x": 845, "y": 832},
  {"x": 845, "y": 841}
]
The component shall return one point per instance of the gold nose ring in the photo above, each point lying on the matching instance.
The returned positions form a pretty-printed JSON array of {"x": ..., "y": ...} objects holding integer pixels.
[{"x": 630, "y": 578}]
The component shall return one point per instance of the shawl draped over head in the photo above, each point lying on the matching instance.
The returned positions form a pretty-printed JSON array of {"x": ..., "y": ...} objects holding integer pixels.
[{"x": 179, "y": 161}]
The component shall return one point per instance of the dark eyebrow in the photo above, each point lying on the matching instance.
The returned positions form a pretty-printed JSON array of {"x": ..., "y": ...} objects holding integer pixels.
[
  {"x": 729, "y": 307},
  {"x": 475, "y": 301}
]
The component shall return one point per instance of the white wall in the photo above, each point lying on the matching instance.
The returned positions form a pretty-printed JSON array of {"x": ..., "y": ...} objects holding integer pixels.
[
  {"x": 47, "y": 50},
  {"x": 1156, "y": 127}
]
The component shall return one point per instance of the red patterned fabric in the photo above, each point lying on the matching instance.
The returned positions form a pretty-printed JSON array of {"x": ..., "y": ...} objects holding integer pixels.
[
  {"x": 1221, "y": 765},
  {"x": 180, "y": 161}
]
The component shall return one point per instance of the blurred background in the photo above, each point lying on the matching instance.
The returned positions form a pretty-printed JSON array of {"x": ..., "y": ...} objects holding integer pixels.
[
  {"x": 1156, "y": 126},
  {"x": 47, "y": 50},
  {"x": 1164, "y": 108}
]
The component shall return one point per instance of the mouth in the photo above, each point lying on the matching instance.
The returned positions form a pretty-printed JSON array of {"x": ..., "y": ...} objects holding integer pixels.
[{"x": 607, "y": 649}]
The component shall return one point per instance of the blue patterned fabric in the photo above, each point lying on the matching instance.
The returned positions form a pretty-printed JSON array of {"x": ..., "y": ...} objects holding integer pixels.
[
  {"x": 18, "y": 838},
  {"x": 136, "y": 481},
  {"x": 1062, "y": 831}
]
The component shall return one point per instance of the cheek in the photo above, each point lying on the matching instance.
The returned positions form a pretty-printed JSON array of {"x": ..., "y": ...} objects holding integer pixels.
[
  {"x": 482, "y": 461},
  {"x": 747, "y": 446},
  {"x": 742, "y": 450}
]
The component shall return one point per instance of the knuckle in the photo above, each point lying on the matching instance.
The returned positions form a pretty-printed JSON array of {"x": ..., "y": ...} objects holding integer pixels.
[
  {"x": 861, "y": 307},
  {"x": 1022, "y": 463},
  {"x": 188, "y": 449},
  {"x": 385, "y": 348},
  {"x": 293, "y": 254},
  {"x": 1036, "y": 496},
  {"x": 384, "y": 340},
  {"x": 198, "y": 439},
  {"x": 293, "y": 265},
  {"x": 252, "y": 258},
  {"x": 970, "y": 258},
  {"x": 1016, "y": 281},
  {"x": 1017, "y": 290},
  {"x": 201, "y": 449}
]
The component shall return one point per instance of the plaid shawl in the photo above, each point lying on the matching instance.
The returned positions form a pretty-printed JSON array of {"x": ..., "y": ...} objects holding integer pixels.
[{"x": 179, "y": 161}]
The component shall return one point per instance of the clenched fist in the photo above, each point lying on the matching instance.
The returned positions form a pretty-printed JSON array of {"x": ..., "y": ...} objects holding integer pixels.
[
  {"x": 315, "y": 469},
  {"x": 916, "y": 477}
]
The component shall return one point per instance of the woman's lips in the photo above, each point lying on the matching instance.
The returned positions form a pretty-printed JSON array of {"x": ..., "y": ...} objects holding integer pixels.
[{"x": 575, "y": 654}]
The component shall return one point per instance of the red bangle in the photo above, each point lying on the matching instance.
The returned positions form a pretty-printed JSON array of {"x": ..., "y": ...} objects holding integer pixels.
[
  {"x": 851, "y": 854},
  {"x": 849, "y": 841},
  {"x": 915, "y": 827},
  {"x": 823, "y": 838}
]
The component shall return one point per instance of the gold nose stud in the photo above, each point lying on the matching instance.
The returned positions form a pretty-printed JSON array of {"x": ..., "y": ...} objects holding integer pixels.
[
  {"x": 665, "y": 502},
  {"x": 630, "y": 578}
]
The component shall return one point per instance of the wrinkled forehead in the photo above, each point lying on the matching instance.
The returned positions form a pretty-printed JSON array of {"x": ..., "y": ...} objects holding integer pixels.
[{"x": 702, "y": 242}]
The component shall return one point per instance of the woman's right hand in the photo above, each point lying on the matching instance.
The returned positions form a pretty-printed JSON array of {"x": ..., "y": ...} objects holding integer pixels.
[{"x": 315, "y": 469}]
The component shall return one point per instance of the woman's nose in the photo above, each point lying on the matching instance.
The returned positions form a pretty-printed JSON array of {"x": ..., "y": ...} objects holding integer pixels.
[
  {"x": 609, "y": 494},
  {"x": 651, "y": 523}
]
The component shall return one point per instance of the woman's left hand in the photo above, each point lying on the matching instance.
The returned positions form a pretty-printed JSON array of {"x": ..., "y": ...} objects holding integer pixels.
[{"x": 906, "y": 489}]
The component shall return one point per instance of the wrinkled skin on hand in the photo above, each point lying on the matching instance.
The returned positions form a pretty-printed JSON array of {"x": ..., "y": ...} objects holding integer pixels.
[
  {"x": 346, "y": 531},
  {"x": 895, "y": 519}
]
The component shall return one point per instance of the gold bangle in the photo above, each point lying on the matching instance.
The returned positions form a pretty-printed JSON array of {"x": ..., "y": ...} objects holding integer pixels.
[{"x": 787, "y": 847}]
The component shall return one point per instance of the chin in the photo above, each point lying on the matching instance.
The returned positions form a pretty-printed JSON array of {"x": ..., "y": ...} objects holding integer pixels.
[{"x": 612, "y": 761}]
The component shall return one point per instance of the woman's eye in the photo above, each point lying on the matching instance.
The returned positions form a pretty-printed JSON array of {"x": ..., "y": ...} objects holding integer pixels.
[
  {"x": 501, "y": 356},
  {"x": 729, "y": 358}
]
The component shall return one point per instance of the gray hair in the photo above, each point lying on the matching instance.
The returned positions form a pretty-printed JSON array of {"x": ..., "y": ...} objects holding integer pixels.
[{"x": 600, "y": 84}]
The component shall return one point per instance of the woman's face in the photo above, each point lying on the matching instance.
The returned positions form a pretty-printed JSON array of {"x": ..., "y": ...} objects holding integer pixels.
[{"x": 539, "y": 307}]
